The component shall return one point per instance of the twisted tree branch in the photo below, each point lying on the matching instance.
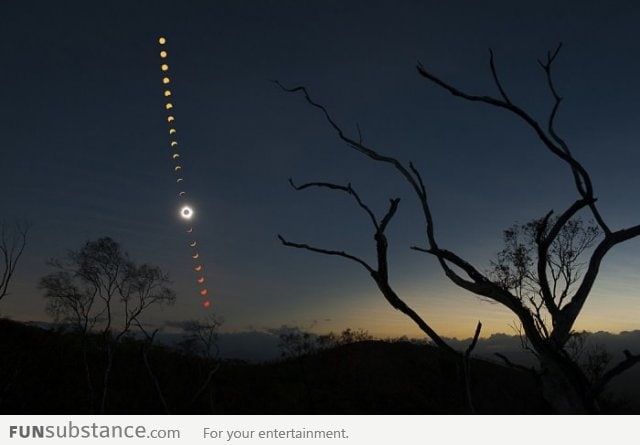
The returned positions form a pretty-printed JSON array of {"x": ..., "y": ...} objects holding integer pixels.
[
  {"x": 326, "y": 252},
  {"x": 347, "y": 189},
  {"x": 629, "y": 361}
]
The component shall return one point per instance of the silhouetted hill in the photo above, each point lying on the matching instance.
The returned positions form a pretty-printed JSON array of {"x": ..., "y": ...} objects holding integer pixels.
[
  {"x": 43, "y": 372},
  {"x": 376, "y": 377}
]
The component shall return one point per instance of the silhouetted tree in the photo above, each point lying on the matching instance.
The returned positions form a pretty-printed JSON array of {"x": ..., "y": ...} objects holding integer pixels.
[
  {"x": 295, "y": 342},
  {"x": 202, "y": 339},
  {"x": 147, "y": 345},
  {"x": 98, "y": 289},
  {"x": 558, "y": 297},
  {"x": 515, "y": 268},
  {"x": 13, "y": 241}
]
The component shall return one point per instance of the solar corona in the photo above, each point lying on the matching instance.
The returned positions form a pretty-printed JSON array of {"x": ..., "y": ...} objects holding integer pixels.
[{"x": 186, "y": 212}]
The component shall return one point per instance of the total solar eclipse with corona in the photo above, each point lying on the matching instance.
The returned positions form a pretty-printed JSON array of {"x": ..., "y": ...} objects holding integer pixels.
[{"x": 186, "y": 211}]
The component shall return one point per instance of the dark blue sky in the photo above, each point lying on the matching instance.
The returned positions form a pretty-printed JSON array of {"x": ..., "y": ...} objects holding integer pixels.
[{"x": 84, "y": 149}]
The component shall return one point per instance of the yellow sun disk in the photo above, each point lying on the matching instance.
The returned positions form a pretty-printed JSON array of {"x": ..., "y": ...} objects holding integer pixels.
[
  {"x": 174, "y": 143},
  {"x": 167, "y": 93},
  {"x": 170, "y": 118},
  {"x": 162, "y": 40},
  {"x": 163, "y": 54},
  {"x": 164, "y": 67},
  {"x": 169, "y": 106},
  {"x": 175, "y": 156},
  {"x": 166, "y": 80},
  {"x": 172, "y": 131}
]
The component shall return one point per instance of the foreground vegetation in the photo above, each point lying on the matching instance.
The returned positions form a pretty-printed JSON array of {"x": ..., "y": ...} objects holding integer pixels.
[{"x": 41, "y": 372}]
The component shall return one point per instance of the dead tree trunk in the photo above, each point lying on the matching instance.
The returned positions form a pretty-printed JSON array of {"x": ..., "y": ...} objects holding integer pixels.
[{"x": 547, "y": 313}]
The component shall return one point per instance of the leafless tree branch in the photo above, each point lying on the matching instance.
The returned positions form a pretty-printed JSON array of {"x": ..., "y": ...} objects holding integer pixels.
[
  {"x": 509, "y": 363},
  {"x": 542, "y": 285},
  {"x": 552, "y": 141},
  {"x": 12, "y": 245},
  {"x": 629, "y": 361},
  {"x": 381, "y": 274},
  {"x": 325, "y": 252},
  {"x": 474, "y": 341},
  {"x": 572, "y": 309},
  {"x": 347, "y": 189},
  {"x": 496, "y": 79}
]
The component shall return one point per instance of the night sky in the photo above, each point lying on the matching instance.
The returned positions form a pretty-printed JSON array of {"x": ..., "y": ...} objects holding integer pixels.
[{"x": 85, "y": 152}]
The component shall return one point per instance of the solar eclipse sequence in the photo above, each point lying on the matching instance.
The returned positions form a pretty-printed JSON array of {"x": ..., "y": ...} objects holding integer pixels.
[{"x": 186, "y": 211}]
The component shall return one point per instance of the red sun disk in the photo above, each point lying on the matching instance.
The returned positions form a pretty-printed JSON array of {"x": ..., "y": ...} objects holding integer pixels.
[{"x": 206, "y": 304}]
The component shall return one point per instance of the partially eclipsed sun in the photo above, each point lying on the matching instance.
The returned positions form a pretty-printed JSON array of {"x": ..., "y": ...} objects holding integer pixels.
[{"x": 185, "y": 212}]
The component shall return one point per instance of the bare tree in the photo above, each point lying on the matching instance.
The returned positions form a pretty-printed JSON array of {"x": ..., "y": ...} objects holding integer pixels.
[
  {"x": 146, "y": 348},
  {"x": 98, "y": 289},
  {"x": 565, "y": 385},
  {"x": 380, "y": 273},
  {"x": 12, "y": 244},
  {"x": 202, "y": 338}
]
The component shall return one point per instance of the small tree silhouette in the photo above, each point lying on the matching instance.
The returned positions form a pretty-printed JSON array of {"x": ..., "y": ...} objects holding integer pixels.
[
  {"x": 98, "y": 289},
  {"x": 202, "y": 339},
  {"x": 515, "y": 268},
  {"x": 13, "y": 241},
  {"x": 547, "y": 321}
]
